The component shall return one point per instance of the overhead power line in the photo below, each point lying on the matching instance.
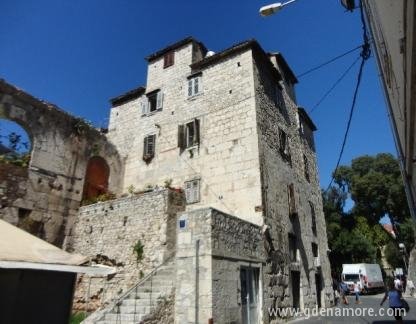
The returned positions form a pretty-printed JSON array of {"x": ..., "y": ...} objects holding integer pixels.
[
  {"x": 365, "y": 55},
  {"x": 328, "y": 62},
  {"x": 334, "y": 85}
]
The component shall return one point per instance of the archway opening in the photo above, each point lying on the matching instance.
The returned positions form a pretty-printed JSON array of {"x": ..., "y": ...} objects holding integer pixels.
[
  {"x": 15, "y": 144},
  {"x": 96, "y": 178}
]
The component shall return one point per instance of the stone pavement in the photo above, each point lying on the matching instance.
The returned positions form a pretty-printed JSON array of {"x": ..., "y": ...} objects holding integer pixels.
[{"x": 360, "y": 313}]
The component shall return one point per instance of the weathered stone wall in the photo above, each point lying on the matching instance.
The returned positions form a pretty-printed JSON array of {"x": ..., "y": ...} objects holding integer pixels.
[
  {"x": 276, "y": 174},
  {"x": 107, "y": 232},
  {"x": 226, "y": 160},
  {"x": 61, "y": 147},
  {"x": 212, "y": 247}
]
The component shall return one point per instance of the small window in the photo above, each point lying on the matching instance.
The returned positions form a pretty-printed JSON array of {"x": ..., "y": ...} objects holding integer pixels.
[
  {"x": 188, "y": 134},
  {"x": 149, "y": 148},
  {"x": 153, "y": 102},
  {"x": 313, "y": 218},
  {"x": 278, "y": 98},
  {"x": 192, "y": 191},
  {"x": 315, "y": 251},
  {"x": 293, "y": 248},
  {"x": 168, "y": 59},
  {"x": 284, "y": 145},
  {"x": 291, "y": 199},
  {"x": 194, "y": 86},
  {"x": 306, "y": 168}
]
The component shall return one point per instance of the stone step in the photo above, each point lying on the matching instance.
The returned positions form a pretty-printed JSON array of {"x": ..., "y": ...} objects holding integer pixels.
[
  {"x": 154, "y": 289},
  {"x": 119, "y": 321},
  {"x": 156, "y": 283},
  {"x": 142, "y": 301},
  {"x": 145, "y": 295},
  {"x": 123, "y": 318}
]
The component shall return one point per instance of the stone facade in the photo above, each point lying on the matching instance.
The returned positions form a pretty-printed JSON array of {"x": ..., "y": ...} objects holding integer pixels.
[
  {"x": 246, "y": 110},
  {"x": 252, "y": 235},
  {"x": 107, "y": 233},
  {"x": 211, "y": 249},
  {"x": 50, "y": 190}
]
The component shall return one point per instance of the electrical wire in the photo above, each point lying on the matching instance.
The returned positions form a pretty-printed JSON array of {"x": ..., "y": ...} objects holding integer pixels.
[
  {"x": 328, "y": 62},
  {"x": 349, "y": 122},
  {"x": 334, "y": 85},
  {"x": 365, "y": 55}
]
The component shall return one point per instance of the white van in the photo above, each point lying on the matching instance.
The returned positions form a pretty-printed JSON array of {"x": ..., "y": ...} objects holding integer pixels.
[{"x": 369, "y": 275}]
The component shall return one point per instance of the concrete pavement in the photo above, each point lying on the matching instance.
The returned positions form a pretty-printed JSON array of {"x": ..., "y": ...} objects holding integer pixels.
[{"x": 369, "y": 311}]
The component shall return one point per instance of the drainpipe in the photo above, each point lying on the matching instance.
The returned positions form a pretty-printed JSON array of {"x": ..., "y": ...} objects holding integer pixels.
[{"x": 197, "y": 281}]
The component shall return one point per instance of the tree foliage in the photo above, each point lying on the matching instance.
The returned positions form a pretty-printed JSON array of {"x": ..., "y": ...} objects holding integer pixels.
[{"x": 375, "y": 186}]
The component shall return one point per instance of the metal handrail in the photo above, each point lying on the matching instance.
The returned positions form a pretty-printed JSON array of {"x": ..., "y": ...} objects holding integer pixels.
[{"x": 118, "y": 301}]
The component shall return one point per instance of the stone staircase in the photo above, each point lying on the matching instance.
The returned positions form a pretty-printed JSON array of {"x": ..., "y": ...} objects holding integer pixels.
[{"x": 140, "y": 300}]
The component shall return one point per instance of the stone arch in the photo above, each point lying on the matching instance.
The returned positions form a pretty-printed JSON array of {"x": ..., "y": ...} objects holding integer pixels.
[{"x": 96, "y": 178}]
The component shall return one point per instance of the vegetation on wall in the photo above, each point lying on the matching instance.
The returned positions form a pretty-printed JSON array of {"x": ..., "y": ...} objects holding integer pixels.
[
  {"x": 138, "y": 250},
  {"x": 375, "y": 186},
  {"x": 100, "y": 198}
]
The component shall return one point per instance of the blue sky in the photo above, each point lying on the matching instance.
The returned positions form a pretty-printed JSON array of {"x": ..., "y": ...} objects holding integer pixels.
[{"x": 78, "y": 54}]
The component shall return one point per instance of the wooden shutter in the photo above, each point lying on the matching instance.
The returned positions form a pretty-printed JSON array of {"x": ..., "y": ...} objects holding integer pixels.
[
  {"x": 151, "y": 145},
  {"x": 159, "y": 100},
  {"x": 190, "y": 87},
  {"x": 144, "y": 106},
  {"x": 197, "y": 133},
  {"x": 181, "y": 137},
  {"x": 145, "y": 145}
]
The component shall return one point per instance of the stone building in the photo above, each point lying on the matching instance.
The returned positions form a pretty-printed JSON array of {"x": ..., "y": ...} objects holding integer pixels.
[{"x": 221, "y": 206}]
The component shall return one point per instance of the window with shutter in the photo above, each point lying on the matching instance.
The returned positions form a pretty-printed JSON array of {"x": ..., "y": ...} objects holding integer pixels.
[
  {"x": 154, "y": 101},
  {"x": 194, "y": 86},
  {"x": 149, "y": 145},
  {"x": 168, "y": 59},
  {"x": 192, "y": 189},
  {"x": 192, "y": 133}
]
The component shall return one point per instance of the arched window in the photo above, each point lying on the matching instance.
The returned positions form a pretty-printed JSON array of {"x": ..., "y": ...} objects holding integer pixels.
[{"x": 96, "y": 178}]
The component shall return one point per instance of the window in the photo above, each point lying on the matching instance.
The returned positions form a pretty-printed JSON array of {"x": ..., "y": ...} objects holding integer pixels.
[
  {"x": 291, "y": 199},
  {"x": 152, "y": 103},
  {"x": 315, "y": 252},
  {"x": 284, "y": 145},
  {"x": 168, "y": 59},
  {"x": 313, "y": 218},
  {"x": 306, "y": 168},
  {"x": 192, "y": 191},
  {"x": 194, "y": 86},
  {"x": 149, "y": 148},
  {"x": 188, "y": 134},
  {"x": 293, "y": 249},
  {"x": 278, "y": 98}
]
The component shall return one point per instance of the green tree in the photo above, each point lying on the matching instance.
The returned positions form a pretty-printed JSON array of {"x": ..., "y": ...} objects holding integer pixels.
[{"x": 376, "y": 187}]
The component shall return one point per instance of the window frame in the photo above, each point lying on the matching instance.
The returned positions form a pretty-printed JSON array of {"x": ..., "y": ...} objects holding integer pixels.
[
  {"x": 148, "y": 154},
  {"x": 291, "y": 196},
  {"x": 184, "y": 134},
  {"x": 194, "y": 191},
  {"x": 152, "y": 102},
  {"x": 190, "y": 88},
  {"x": 168, "y": 59}
]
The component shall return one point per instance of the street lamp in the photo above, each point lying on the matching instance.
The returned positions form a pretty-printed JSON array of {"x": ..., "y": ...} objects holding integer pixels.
[{"x": 273, "y": 8}]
